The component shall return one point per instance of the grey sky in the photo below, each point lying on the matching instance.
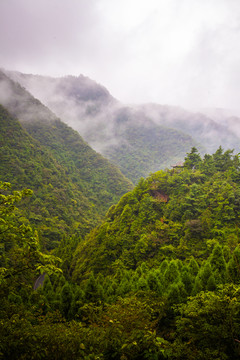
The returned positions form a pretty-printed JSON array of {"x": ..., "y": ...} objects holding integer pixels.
[{"x": 177, "y": 52}]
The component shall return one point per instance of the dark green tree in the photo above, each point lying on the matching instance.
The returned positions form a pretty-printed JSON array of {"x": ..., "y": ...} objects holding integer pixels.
[
  {"x": 93, "y": 290},
  {"x": 233, "y": 267},
  {"x": 218, "y": 264},
  {"x": 211, "y": 284},
  {"x": 187, "y": 281},
  {"x": 171, "y": 274},
  {"x": 66, "y": 297},
  {"x": 193, "y": 159},
  {"x": 193, "y": 267},
  {"x": 154, "y": 283}
]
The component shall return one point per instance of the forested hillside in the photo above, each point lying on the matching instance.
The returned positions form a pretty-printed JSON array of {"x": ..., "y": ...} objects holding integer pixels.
[
  {"x": 73, "y": 185},
  {"x": 124, "y": 134},
  {"x": 158, "y": 279},
  {"x": 179, "y": 213}
]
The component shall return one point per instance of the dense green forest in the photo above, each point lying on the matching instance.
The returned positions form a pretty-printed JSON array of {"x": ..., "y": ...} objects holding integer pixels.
[
  {"x": 158, "y": 279},
  {"x": 73, "y": 185}
]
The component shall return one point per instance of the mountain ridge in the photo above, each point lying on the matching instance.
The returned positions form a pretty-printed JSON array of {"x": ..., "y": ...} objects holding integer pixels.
[
  {"x": 55, "y": 162},
  {"x": 108, "y": 126}
]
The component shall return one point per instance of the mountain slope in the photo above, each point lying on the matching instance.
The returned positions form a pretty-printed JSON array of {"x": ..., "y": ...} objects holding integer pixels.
[
  {"x": 175, "y": 213},
  {"x": 142, "y": 147},
  {"x": 90, "y": 109},
  {"x": 208, "y": 132},
  {"x": 125, "y": 135},
  {"x": 73, "y": 185}
]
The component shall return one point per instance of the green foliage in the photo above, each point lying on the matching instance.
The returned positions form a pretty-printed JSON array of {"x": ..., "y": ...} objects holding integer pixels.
[
  {"x": 144, "y": 149},
  {"x": 73, "y": 185},
  {"x": 20, "y": 251},
  {"x": 170, "y": 214},
  {"x": 233, "y": 267},
  {"x": 193, "y": 159},
  {"x": 158, "y": 279},
  {"x": 66, "y": 297},
  {"x": 208, "y": 326},
  {"x": 218, "y": 264}
]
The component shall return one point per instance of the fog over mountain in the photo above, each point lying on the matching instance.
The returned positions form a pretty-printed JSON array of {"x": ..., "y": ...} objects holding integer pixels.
[
  {"x": 123, "y": 134},
  {"x": 39, "y": 151},
  {"x": 79, "y": 101},
  {"x": 209, "y": 129},
  {"x": 168, "y": 70},
  {"x": 139, "y": 139},
  {"x": 89, "y": 108},
  {"x": 181, "y": 53}
]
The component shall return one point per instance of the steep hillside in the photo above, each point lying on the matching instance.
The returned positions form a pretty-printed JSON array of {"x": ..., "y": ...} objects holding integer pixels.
[
  {"x": 125, "y": 135},
  {"x": 73, "y": 185},
  {"x": 158, "y": 279},
  {"x": 176, "y": 213},
  {"x": 75, "y": 100}
]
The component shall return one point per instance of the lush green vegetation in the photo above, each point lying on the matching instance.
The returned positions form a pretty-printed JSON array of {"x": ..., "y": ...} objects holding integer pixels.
[
  {"x": 159, "y": 279},
  {"x": 144, "y": 148},
  {"x": 73, "y": 185},
  {"x": 179, "y": 213}
]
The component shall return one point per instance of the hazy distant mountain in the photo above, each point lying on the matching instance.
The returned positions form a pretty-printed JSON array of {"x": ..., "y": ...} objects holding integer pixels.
[
  {"x": 211, "y": 133},
  {"x": 228, "y": 118},
  {"x": 89, "y": 108},
  {"x": 73, "y": 185},
  {"x": 142, "y": 146},
  {"x": 124, "y": 134},
  {"x": 74, "y": 99}
]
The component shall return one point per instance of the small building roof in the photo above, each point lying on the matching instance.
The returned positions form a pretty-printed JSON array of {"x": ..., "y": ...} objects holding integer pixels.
[{"x": 178, "y": 164}]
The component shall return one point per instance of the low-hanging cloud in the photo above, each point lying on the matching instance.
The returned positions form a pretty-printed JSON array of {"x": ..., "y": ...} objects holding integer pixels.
[{"x": 166, "y": 51}]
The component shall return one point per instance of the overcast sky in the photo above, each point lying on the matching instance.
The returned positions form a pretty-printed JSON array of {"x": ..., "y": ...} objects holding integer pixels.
[{"x": 177, "y": 52}]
